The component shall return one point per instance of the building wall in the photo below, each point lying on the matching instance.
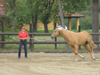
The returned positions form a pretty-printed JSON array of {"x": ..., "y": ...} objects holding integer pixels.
[{"x": 40, "y": 26}]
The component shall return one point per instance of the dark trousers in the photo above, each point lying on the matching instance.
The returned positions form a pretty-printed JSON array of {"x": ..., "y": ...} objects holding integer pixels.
[{"x": 25, "y": 48}]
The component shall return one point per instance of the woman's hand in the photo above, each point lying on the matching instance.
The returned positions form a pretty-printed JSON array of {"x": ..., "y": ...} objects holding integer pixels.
[{"x": 23, "y": 38}]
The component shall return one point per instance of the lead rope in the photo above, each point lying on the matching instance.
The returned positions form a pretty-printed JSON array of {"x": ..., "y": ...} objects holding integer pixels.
[{"x": 38, "y": 39}]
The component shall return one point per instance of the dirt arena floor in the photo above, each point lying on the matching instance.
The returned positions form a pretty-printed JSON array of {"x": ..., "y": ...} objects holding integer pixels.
[{"x": 48, "y": 64}]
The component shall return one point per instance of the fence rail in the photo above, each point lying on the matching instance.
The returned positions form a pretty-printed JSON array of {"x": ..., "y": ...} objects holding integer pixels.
[
  {"x": 39, "y": 33},
  {"x": 32, "y": 42}
]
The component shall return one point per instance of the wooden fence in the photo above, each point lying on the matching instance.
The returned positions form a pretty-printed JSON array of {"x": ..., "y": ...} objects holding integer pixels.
[{"x": 32, "y": 42}]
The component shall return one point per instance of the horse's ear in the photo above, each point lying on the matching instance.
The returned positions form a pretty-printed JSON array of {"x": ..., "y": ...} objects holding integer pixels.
[{"x": 56, "y": 25}]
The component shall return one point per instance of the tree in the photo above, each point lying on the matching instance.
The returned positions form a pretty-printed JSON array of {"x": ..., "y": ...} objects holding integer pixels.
[
  {"x": 16, "y": 12},
  {"x": 46, "y": 10},
  {"x": 72, "y": 6},
  {"x": 54, "y": 13},
  {"x": 61, "y": 14},
  {"x": 11, "y": 8},
  {"x": 33, "y": 5},
  {"x": 62, "y": 20},
  {"x": 21, "y": 11},
  {"x": 95, "y": 21}
]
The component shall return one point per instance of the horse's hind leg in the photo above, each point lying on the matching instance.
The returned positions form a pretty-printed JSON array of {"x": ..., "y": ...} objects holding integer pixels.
[
  {"x": 86, "y": 47},
  {"x": 92, "y": 51},
  {"x": 81, "y": 56}
]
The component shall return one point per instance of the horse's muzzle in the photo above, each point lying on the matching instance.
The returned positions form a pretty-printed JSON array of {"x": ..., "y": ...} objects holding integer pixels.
[{"x": 52, "y": 37}]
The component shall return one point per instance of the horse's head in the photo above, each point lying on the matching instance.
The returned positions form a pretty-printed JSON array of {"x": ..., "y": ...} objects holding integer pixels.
[{"x": 55, "y": 33}]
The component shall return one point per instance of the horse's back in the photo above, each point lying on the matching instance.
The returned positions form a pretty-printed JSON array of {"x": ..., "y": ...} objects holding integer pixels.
[
  {"x": 88, "y": 36},
  {"x": 79, "y": 38},
  {"x": 82, "y": 37},
  {"x": 86, "y": 33}
]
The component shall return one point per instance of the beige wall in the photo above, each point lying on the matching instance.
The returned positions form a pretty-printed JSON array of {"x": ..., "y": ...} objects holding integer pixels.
[{"x": 40, "y": 26}]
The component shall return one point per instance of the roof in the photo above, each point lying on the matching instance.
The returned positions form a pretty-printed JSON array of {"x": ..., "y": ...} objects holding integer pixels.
[
  {"x": 1, "y": 11},
  {"x": 67, "y": 15}
]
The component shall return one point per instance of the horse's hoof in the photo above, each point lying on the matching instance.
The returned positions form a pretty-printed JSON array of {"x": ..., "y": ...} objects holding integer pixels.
[
  {"x": 94, "y": 58},
  {"x": 76, "y": 60},
  {"x": 83, "y": 57}
]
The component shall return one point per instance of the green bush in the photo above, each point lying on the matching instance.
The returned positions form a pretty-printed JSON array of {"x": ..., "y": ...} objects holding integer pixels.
[{"x": 86, "y": 23}]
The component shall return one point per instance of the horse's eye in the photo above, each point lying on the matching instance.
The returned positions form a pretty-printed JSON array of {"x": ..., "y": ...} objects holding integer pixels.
[{"x": 55, "y": 31}]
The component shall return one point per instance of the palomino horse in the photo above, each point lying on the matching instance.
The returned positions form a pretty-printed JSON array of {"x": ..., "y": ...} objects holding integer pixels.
[{"x": 75, "y": 40}]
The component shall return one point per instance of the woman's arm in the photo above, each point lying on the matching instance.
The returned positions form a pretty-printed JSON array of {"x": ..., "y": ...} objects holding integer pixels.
[{"x": 21, "y": 38}]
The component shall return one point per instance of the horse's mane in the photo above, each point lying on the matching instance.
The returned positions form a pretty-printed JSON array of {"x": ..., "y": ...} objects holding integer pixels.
[{"x": 60, "y": 28}]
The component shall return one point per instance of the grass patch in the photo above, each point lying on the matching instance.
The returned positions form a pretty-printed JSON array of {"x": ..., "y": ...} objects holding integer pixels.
[{"x": 37, "y": 47}]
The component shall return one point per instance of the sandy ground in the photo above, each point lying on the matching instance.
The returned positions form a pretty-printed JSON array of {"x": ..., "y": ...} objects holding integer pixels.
[{"x": 48, "y": 64}]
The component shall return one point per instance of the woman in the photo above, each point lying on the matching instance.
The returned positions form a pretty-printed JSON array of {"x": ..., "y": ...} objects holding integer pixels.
[{"x": 23, "y": 35}]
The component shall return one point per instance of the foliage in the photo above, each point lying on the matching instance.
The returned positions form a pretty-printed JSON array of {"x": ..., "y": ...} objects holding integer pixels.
[
  {"x": 23, "y": 10},
  {"x": 99, "y": 6},
  {"x": 33, "y": 6},
  {"x": 72, "y": 6},
  {"x": 47, "y": 11},
  {"x": 99, "y": 20},
  {"x": 55, "y": 11},
  {"x": 86, "y": 23},
  {"x": 16, "y": 10}
]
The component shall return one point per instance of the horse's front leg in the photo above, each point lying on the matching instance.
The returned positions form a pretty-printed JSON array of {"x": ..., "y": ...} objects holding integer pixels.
[
  {"x": 74, "y": 48},
  {"x": 76, "y": 53}
]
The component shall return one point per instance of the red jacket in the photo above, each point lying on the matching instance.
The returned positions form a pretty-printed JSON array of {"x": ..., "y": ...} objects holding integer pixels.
[{"x": 23, "y": 34}]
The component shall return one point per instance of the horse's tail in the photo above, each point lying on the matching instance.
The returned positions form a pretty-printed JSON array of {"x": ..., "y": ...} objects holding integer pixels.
[{"x": 94, "y": 45}]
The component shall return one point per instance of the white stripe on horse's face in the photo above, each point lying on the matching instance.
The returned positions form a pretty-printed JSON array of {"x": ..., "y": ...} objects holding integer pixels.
[
  {"x": 60, "y": 28},
  {"x": 56, "y": 32}
]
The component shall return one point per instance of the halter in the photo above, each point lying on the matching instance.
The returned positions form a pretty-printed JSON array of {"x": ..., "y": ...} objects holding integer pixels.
[{"x": 59, "y": 32}]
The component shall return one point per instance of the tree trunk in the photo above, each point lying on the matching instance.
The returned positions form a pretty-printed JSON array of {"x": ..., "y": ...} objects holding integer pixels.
[
  {"x": 45, "y": 27},
  {"x": 32, "y": 23},
  {"x": 95, "y": 22},
  {"x": 14, "y": 26},
  {"x": 54, "y": 25},
  {"x": 12, "y": 7},
  {"x": 61, "y": 14},
  {"x": 35, "y": 24},
  {"x": 62, "y": 21}
]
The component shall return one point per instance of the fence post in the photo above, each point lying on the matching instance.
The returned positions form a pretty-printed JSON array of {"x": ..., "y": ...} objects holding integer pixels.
[
  {"x": 32, "y": 43},
  {"x": 79, "y": 30},
  {"x": 55, "y": 43},
  {"x": 30, "y": 35},
  {"x": 3, "y": 39}
]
